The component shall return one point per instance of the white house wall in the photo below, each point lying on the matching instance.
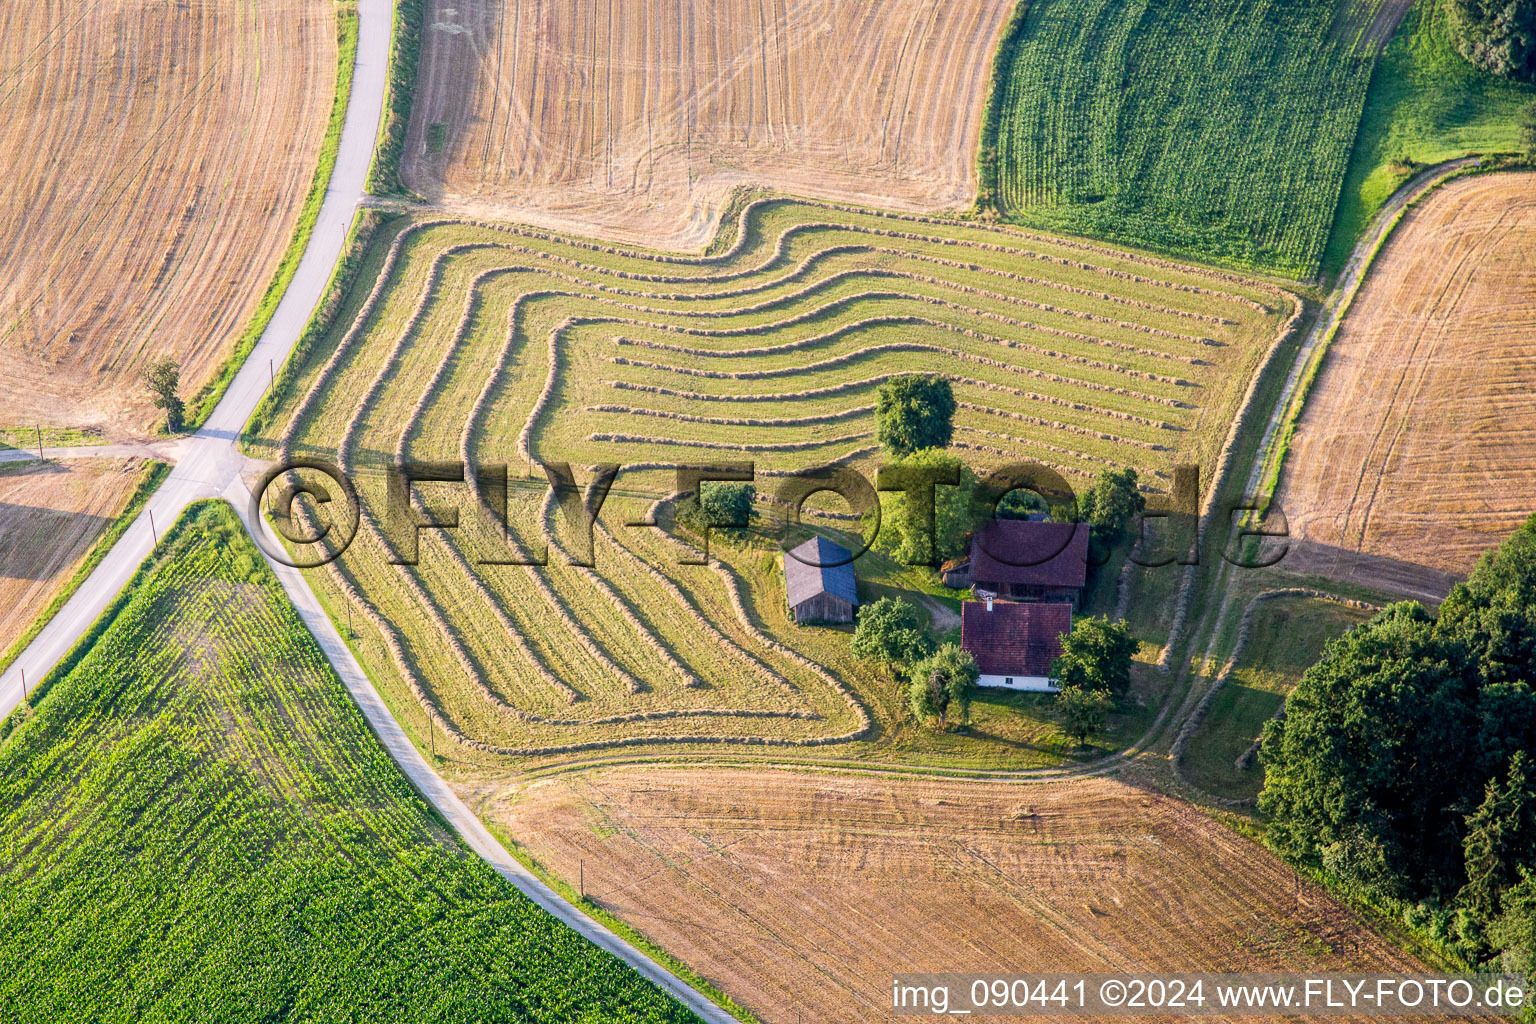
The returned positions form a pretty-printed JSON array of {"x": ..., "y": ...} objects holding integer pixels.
[{"x": 1033, "y": 684}]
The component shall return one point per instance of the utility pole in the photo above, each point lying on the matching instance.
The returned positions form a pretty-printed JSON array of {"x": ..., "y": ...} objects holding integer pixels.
[
  {"x": 432, "y": 736},
  {"x": 152, "y": 531},
  {"x": 23, "y": 684},
  {"x": 350, "y": 634},
  {"x": 271, "y": 375},
  {"x": 581, "y": 875},
  {"x": 39, "y": 440}
]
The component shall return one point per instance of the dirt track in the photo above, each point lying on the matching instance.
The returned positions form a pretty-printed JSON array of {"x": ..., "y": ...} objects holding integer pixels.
[
  {"x": 155, "y": 158},
  {"x": 633, "y": 121},
  {"x": 50, "y": 515},
  {"x": 800, "y": 892},
  {"x": 1418, "y": 443}
]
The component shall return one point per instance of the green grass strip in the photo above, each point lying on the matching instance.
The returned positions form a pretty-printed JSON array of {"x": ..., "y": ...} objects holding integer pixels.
[{"x": 404, "y": 56}]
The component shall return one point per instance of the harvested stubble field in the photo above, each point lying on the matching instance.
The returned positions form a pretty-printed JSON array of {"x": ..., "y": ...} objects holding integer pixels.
[
  {"x": 635, "y": 121},
  {"x": 797, "y": 892},
  {"x": 494, "y": 343},
  {"x": 50, "y": 515},
  {"x": 156, "y": 158},
  {"x": 1418, "y": 443},
  {"x": 198, "y": 825}
]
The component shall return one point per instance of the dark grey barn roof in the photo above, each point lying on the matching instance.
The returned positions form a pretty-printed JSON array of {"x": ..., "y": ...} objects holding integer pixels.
[{"x": 819, "y": 566}]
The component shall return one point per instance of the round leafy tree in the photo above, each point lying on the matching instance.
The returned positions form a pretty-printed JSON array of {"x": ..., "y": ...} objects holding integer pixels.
[{"x": 913, "y": 412}]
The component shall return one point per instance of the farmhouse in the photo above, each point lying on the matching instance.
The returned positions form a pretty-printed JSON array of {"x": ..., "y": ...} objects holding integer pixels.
[
  {"x": 1014, "y": 644},
  {"x": 820, "y": 583},
  {"x": 1026, "y": 560}
]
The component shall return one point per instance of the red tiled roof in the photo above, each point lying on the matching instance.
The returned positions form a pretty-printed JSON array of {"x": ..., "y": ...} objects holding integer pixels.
[
  {"x": 1014, "y": 639},
  {"x": 1021, "y": 551}
]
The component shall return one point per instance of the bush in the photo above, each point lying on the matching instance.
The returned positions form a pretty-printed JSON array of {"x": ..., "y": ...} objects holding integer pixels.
[
  {"x": 890, "y": 632},
  {"x": 719, "y": 505}
]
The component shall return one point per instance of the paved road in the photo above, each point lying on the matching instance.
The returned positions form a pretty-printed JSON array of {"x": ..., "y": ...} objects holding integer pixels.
[
  {"x": 209, "y": 464},
  {"x": 209, "y": 460}
]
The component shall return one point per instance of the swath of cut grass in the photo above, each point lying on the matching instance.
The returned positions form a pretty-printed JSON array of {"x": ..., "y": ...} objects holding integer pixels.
[{"x": 497, "y": 343}]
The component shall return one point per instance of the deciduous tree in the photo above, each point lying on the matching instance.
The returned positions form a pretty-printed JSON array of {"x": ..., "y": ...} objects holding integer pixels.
[
  {"x": 913, "y": 412},
  {"x": 890, "y": 632},
  {"x": 1082, "y": 712},
  {"x": 1498, "y": 36},
  {"x": 957, "y": 511},
  {"x": 941, "y": 686},
  {"x": 1096, "y": 657},
  {"x": 163, "y": 380}
]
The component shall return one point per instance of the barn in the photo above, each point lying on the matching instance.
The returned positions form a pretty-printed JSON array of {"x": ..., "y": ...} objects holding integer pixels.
[
  {"x": 820, "y": 583},
  {"x": 1024, "y": 560}
]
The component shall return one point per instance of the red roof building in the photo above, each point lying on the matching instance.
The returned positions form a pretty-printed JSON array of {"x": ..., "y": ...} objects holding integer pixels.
[
  {"x": 1014, "y": 644},
  {"x": 1027, "y": 560}
]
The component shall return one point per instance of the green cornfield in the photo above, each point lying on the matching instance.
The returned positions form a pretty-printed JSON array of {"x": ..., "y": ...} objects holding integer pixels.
[
  {"x": 198, "y": 826},
  {"x": 1219, "y": 131}
]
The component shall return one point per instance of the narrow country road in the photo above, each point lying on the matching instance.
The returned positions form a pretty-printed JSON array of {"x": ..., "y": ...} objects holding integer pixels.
[
  {"x": 209, "y": 460},
  {"x": 208, "y": 465}
]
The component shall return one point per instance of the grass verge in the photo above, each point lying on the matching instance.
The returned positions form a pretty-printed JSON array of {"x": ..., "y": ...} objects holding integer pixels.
[
  {"x": 1426, "y": 105},
  {"x": 404, "y": 55},
  {"x": 343, "y": 279}
]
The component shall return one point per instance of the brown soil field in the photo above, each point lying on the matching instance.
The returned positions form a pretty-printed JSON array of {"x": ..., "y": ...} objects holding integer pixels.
[
  {"x": 1418, "y": 443},
  {"x": 634, "y": 121},
  {"x": 797, "y": 892},
  {"x": 155, "y": 159},
  {"x": 50, "y": 515}
]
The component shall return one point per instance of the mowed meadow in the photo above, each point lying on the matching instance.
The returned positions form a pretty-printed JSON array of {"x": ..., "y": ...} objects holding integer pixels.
[
  {"x": 496, "y": 344},
  {"x": 1219, "y": 131}
]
